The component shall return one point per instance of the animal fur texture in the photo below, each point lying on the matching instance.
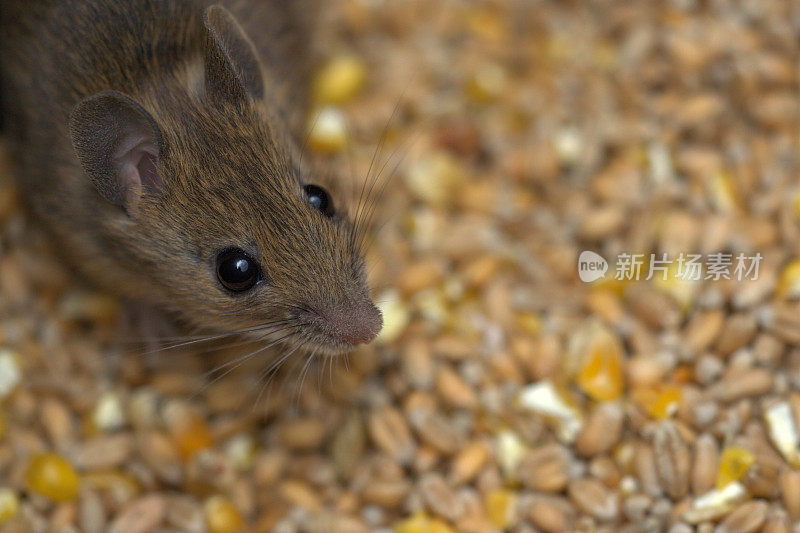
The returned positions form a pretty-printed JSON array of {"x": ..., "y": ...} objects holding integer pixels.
[{"x": 215, "y": 96}]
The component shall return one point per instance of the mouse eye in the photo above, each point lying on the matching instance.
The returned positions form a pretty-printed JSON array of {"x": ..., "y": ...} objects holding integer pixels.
[
  {"x": 319, "y": 199},
  {"x": 236, "y": 270}
]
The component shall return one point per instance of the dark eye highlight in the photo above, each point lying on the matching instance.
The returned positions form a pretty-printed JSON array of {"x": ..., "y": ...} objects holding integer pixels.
[
  {"x": 319, "y": 199},
  {"x": 236, "y": 270}
]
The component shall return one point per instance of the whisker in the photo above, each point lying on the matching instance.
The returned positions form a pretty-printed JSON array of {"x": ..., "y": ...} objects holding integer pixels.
[
  {"x": 216, "y": 336},
  {"x": 296, "y": 396},
  {"x": 378, "y": 150},
  {"x": 271, "y": 372},
  {"x": 374, "y": 201},
  {"x": 238, "y": 362}
]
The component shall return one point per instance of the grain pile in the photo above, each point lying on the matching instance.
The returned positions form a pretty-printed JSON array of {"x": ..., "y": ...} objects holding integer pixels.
[{"x": 504, "y": 393}]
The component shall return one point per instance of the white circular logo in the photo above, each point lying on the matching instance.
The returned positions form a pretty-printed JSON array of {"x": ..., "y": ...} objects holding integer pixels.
[{"x": 591, "y": 266}]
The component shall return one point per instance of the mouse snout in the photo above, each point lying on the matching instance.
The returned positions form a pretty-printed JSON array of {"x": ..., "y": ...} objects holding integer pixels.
[{"x": 355, "y": 324}]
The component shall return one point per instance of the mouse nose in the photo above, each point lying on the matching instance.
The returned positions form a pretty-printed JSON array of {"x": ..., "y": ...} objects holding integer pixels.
[{"x": 358, "y": 325}]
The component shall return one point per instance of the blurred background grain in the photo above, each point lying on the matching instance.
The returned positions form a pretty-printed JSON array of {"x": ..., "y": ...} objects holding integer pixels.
[{"x": 503, "y": 393}]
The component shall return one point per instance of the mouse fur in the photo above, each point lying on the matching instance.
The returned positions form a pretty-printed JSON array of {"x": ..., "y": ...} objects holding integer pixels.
[{"x": 153, "y": 134}]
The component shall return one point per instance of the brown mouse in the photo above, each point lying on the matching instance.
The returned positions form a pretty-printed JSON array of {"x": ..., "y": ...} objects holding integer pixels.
[{"x": 157, "y": 145}]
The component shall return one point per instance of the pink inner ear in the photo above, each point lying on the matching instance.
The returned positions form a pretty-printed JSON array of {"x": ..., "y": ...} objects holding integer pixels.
[
  {"x": 135, "y": 159},
  {"x": 148, "y": 173}
]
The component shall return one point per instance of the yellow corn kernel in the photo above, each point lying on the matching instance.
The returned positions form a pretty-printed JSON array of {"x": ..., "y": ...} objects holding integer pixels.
[
  {"x": 327, "y": 130},
  {"x": 192, "y": 436},
  {"x": 51, "y": 475},
  {"x": 598, "y": 354},
  {"x": 789, "y": 282},
  {"x": 486, "y": 24},
  {"x": 601, "y": 374},
  {"x": 422, "y": 523},
  {"x": 560, "y": 49},
  {"x": 433, "y": 178},
  {"x": 679, "y": 285},
  {"x": 609, "y": 284},
  {"x": 605, "y": 56},
  {"x": 733, "y": 464},
  {"x": 500, "y": 506},
  {"x": 9, "y": 505},
  {"x": 395, "y": 316},
  {"x": 340, "y": 80},
  {"x": 487, "y": 83},
  {"x": 722, "y": 191},
  {"x": 683, "y": 374},
  {"x": 660, "y": 401},
  {"x": 222, "y": 516},
  {"x": 530, "y": 323}
]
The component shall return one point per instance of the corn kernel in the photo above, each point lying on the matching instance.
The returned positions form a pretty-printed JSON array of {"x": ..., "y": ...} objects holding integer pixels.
[
  {"x": 328, "y": 130},
  {"x": 561, "y": 48},
  {"x": 222, "y": 516},
  {"x": 500, "y": 507},
  {"x": 789, "y": 282},
  {"x": 241, "y": 450},
  {"x": 600, "y": 367},
  {"x": 595, "y": 359},
  {"x": 552, "y": 402},
  {"x": 395, "y": 316},
  {"x": 2, "y": 425},
  {"x": 609, "y": 284},
  {"x": 722, "y": 191},
  {"x": 340, "y": 80},
  {"x": 108, "y": 414},
  {"x": 9, "y": 505},
  {"x": 422, "y": 523},
  {"x": 487, "y": 83},
  {"x": 605, "y": 56},
  {"x": 50, "y": 475},
  {"x": 715, "y": 503},
  {"x": 486, "y": 24},
  {"x": 783, "y": 431},
  {"x": 431, "y": 305},
  {"x": 601, "y": 376},
  {"x": 510, "y": 450},
  {"x": 733, "y": 464},
  {"x": 10, "y": 373},
  {"x": 660, "y": 162},
  {"x": 191, "y": 436},
  {"x": 683, "y": 374},
  {"x": 677, "y": 284},
  {"x": 530, "y": 323},
  {"x": 660, "y": 401},
  {"x": 189, "y": 431},
  {"x": 569, "y": 145},
  {"x": 434, "y": 177}
]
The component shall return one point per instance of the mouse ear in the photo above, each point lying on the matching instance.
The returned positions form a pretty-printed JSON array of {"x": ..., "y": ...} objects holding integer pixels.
[
  {"x": 233, "y": 70},
  {"x": 118, "y": 144}
]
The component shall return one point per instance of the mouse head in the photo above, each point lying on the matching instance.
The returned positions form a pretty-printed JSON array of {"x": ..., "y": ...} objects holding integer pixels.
[{"x": 212, "y": 211}]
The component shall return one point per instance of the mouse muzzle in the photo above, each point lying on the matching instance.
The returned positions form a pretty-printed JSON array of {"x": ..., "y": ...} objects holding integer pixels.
[{"x": 346, "y": 325}]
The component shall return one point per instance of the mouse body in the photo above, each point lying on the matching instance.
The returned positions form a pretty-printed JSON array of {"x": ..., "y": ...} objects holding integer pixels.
[{"x": 158, "y": 142}]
